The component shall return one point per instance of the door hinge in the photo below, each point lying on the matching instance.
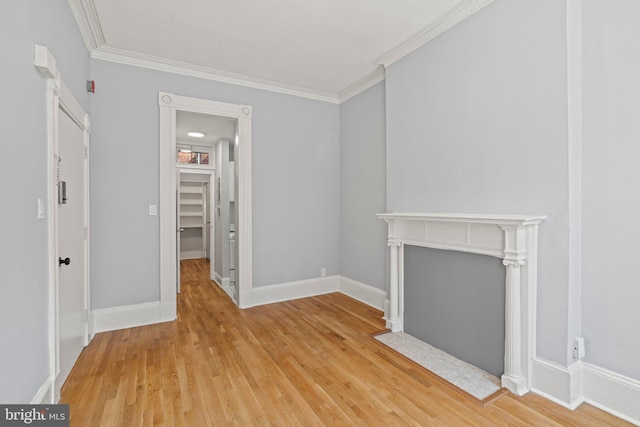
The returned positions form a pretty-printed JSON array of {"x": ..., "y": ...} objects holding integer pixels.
[
  {"x": 85, "y": 153},
  {"x": 86, "y": 233},
  {"x": 85, "y": 316}
]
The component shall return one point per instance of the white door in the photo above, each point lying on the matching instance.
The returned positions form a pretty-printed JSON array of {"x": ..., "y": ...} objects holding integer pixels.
[{"x": 71, "y": 244}]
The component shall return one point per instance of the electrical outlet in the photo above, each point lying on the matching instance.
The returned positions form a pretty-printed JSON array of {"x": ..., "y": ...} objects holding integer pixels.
[{"x": 323, "y": 272}]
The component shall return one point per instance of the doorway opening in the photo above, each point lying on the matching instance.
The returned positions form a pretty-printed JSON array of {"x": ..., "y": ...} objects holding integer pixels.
[
  {"x": 239, "y": 151},
  {"x": 205, "y": 148}
]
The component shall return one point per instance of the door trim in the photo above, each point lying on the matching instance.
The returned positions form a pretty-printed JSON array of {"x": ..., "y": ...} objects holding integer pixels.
[
  {"x": 60, "y": 97},
  {"x": 170, "y": 103}
]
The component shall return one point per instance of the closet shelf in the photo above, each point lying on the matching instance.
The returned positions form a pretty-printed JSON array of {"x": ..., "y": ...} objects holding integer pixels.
[
  {"x": 190, "y": 190},
  {"x": 192, "y": 210}
]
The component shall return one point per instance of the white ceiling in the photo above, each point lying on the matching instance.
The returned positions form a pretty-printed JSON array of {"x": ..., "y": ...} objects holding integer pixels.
[
  {"x": 213, "y": 127},
  {"x": 327, "y": 48}
]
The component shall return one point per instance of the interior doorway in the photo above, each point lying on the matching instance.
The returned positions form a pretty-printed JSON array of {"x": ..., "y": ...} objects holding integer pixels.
[
  {"x": 171, "y": 106},
  {"x": 206, "y": 194},
  {"x": 68, "y": 226},
  {"x": 195, "y": 238}
]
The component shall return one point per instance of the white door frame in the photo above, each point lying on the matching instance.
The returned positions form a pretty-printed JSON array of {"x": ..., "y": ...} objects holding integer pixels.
[
  {"x": 169, "y": 104},
  {"x": 60, "y": 97}
]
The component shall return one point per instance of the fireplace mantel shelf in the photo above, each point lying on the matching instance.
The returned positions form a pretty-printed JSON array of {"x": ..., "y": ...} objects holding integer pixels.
[
  {"x": 513, "y": 238},
  {"x": 467, "y": 217}
]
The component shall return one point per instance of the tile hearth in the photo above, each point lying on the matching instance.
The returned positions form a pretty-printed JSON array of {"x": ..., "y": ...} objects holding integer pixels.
[{"x": 469, "y": 378}]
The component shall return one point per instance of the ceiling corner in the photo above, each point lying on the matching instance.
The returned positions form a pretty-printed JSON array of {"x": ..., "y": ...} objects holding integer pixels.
[
  {"x": 453, "y": 16},
  {"x": 86, "y": 16},
  {"x": 362, "y": 84}
]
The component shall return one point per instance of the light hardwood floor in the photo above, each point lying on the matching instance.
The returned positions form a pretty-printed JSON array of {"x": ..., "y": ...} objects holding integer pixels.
[{"x": 309, "y": 362}]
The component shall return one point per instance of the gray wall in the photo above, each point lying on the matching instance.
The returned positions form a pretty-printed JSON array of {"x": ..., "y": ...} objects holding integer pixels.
[
  {"x": 363, "y": 249},
  {"x": 611, "y": 184},
  {"x": 477, "y": 122},
  {"x": 295, "y": 181},
  {"x": 23, "y": 179},
  {"x": 458, "y": 310}
]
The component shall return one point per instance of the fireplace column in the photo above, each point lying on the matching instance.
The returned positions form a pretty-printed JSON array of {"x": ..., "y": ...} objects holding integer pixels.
[
  {"x": 514, "y": 251},
  {"x": 393, "y": 321}
]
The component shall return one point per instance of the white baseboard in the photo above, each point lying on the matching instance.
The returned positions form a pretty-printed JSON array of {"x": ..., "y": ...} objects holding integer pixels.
[
  {"x": 294, "y": 290},
  {"x": 130, "y": 316},
  {"x": 612, "y": 392},
  {"x": 364, "y": 293},
  {"x": 367, "y": 294},
  {"x": 44, "y": 394},
  {"x": 191, "y": 254},
  {"x": 229, "y": 290},
  {"x": 225, "y": 284},
  {"x": 583, "y": 382},
  {"x": 557, "y": 383},
  {"x": 222, "y": 281}
]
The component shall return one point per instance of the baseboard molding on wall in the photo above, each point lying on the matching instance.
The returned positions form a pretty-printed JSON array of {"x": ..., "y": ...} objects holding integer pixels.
[
  {"x": 91, "y": 328},
  {"x": 557, "y": 383},
  {"x": 221, "y": 281},
  {"x": 612, "y": 392},
  {"x": 225, "y": 284},
  {"x": 44, "y": 393},
  {"x": 294, "y": 290},
  {"x": 367, "y": 294},
  {"x": 583, "y": 382},
  {"x": 191, "y": 254},
  {"x": 130, "y": 316},
  {"x": 364, "y": 293},
  {"x": 110, "y": 319},
  {"x": 229, "y": 290}
]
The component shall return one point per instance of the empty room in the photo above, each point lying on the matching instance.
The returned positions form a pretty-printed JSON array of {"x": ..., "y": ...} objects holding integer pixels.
[{"x": 332, "y": 213}]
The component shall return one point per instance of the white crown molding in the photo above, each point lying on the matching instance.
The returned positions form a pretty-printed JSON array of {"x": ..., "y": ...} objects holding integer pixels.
[
  {"x": 84, "y": 11},
  {"x": 85, "y": 14},
  {"x": 362, "y": 84},
  {"x": 123, "y": 56},
  {"x": 447, "y": 20}
]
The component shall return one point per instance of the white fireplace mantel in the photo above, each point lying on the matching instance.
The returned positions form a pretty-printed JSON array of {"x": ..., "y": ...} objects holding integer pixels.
[{"x": 512, "y": 238}]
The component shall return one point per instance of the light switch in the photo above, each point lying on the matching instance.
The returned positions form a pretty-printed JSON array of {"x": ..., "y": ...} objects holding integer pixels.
[
  {"x": 40, "y": 208},
  {"x": 153, "y": 210}
]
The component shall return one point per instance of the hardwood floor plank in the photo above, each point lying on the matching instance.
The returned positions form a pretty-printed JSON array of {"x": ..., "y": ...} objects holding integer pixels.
[{"x": 308, "y": 362}]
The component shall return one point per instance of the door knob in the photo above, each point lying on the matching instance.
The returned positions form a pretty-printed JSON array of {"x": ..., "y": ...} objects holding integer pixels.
[{"x": 65, "y": 261}]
